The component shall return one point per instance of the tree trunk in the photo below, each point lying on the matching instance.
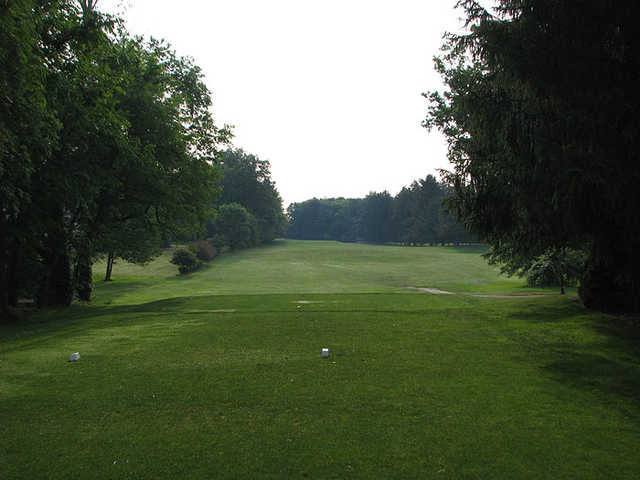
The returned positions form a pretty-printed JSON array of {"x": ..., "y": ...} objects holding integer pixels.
[
  {"x": 15, "y": 264},
  {"x": 4, "y": 273},
  {"x": 611, "y": 282},
  {"x": 56, "y": 286},
  {"x": 83, "y": 277},
  {"x": 107, "y": 277}
]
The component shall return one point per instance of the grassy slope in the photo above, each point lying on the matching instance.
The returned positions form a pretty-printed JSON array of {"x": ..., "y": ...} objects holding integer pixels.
[
  {"x": 310, "y": 267},
  {"x": 232, "y": 386}
]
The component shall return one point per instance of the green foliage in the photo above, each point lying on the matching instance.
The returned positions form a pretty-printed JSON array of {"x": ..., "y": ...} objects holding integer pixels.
[
  {"x": 419, "y": 214},
  {"x": 377, "y": 217},
  {"x": 28, "y": 129},
  {"x": 246, "y": 180},
  {"x": 325, "y": 219},
  {"x": 539, "y": 118},
  {"x": 413, "y": 217},
  {"x": 203, "y": 250},
  {"x": 562, "y": 267},
  {"x": 559, "y": 268},
  {"x": 186, "y": 260},
  {"x": 236, "y": 227},
  {"x": 107, "y": 144}
]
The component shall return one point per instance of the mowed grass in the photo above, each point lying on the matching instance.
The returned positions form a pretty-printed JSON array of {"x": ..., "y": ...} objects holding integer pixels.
[
  {"x": 232, "y": 385},
  {"x": 310, "y": 267}
]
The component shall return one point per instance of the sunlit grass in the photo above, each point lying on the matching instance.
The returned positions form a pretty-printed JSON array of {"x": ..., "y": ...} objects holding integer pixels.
[
  {"x": 310, "y": 267},
  {"x": 233, "y": 386}
]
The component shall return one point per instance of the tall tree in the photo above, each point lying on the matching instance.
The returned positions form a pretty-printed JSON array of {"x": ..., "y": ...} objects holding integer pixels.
[
  {"x": 377, "y": 217},
  {"x": 539, "y": 115},
  {"x": 246, "y": 180},
  {"x": 28, "y": 128},
  {"x": 311, "y": 220}
]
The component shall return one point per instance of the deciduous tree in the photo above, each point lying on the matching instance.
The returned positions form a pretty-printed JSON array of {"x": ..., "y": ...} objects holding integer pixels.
[{"x": 102, "y": 135}]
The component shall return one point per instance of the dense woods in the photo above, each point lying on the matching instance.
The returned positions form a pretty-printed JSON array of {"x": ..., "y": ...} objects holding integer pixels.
[{"x": 415, "y": 216}]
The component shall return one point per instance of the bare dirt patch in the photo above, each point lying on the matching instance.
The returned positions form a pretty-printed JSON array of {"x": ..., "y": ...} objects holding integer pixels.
[
  {"x": 434, "y": 291},
  {"x": 437, "y": 291}
]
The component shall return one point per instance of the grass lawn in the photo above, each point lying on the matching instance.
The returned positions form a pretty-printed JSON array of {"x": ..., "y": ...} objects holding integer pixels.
[
  {"x": 310, "y": 267},
  {"x": 219, "y": 375}
]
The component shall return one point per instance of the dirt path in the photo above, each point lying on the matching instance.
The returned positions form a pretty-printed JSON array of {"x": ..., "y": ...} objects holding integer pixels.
[{"x": 436, "y": 291}]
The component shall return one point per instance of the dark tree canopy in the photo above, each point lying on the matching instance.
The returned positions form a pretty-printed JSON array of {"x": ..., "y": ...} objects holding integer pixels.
[
  {"x": 106, "y": 141},
  {"x": 377, "y": 217},
  {"x": 540, "y": 119}
]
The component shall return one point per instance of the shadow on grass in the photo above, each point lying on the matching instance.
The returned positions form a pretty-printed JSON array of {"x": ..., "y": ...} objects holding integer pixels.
[
  {"x": 116, "y": 288},
  {"x": 591, "y": 351},
  {"x": 549, "y": 312},
  {"x": 602, "y": 372},
  {"x": 44, "y": 325}
]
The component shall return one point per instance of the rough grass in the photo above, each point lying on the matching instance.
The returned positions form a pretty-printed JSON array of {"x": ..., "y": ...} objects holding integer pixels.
[{"x": 233, "y": 386}]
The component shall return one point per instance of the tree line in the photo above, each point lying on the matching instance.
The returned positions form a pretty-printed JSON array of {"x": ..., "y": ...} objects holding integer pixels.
[
  {"x": 248, "y": 212},
  {"x": 415, "y": 216}
]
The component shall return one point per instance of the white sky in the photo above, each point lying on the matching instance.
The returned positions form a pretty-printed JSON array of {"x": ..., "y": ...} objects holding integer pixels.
[{"x": 328, "y": 91}]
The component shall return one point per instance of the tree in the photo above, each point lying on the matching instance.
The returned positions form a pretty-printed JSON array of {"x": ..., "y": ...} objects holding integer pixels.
[
  {"x": 246, "y": 180},
  {"x": 105, "y": 136},
  {"x": 28, "y": 128},
  {"x": 167, "y": 180},
  {"x": 539, "y": 117},
  {"x": 403, "y": 208},
  {"x": 377, "y": 217},
  {"x": 136, "y": 241},
  {"x": 414, "y": 217},
  {"x": 556, "y": 268},
  {"x": 236, "y": 227},
  {"x": 422, "y": 224},
  {"x": 312, "y": 219},
  {"x": 186, "y": 261}
]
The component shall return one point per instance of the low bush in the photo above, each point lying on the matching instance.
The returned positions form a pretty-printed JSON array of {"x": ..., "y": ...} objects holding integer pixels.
[
  {"x": 185, "y": 260},
  {"x": 562, "y": 268},
  {"x": 236, "y": 227},
  {"x": 204, "y": 250}
]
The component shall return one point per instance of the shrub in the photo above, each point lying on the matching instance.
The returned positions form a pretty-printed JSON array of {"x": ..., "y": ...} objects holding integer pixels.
[
  {"x": 204, "y": 250},
  {"x": 185, "y": 260},
  {"x": 217, "y": 241},
  {"x": 557, "y": 268},
  {"x": 236, "y": 227}
]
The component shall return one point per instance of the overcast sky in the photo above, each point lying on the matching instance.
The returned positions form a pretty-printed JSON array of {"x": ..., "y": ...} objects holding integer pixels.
[{"x": 328, "y": 91}]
